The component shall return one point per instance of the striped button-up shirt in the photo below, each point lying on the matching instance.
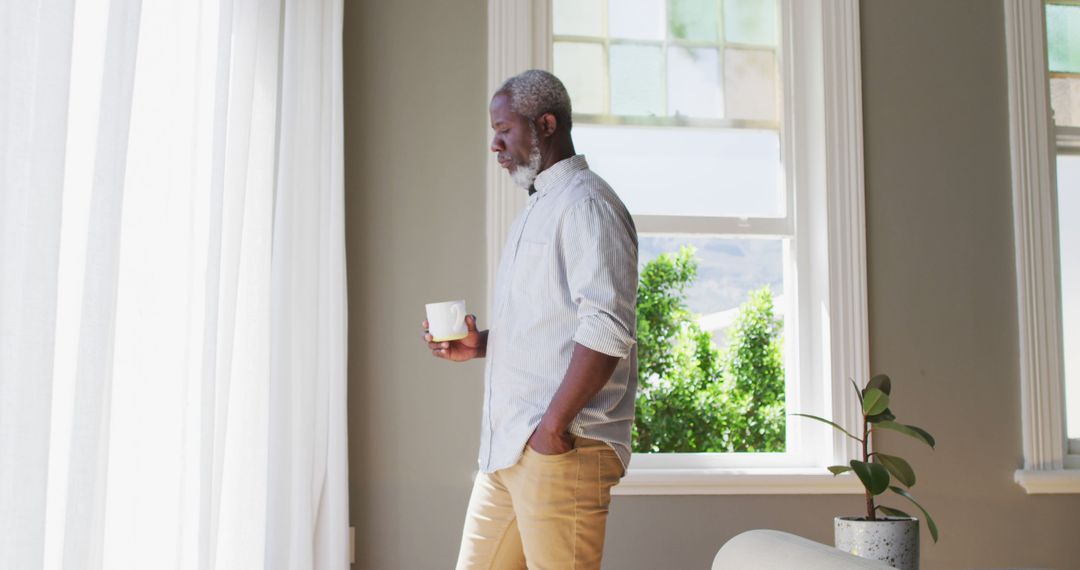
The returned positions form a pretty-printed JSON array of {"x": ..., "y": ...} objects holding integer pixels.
[{"x": 568, "y": 274}]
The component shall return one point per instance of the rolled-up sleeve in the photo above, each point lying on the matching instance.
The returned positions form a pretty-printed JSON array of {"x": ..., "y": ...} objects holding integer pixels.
[{"x": 599, "y": 249}]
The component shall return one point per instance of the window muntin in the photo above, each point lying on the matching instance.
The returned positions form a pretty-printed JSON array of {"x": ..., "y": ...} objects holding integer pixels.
[{"x": 697, "y": 62}]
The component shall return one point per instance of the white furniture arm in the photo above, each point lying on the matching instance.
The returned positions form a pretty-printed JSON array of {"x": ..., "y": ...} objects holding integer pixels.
[{"x": 775, "y": 550}]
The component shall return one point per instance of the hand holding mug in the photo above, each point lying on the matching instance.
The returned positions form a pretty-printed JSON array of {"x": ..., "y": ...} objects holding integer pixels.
[{"x": 449, "y": 335}]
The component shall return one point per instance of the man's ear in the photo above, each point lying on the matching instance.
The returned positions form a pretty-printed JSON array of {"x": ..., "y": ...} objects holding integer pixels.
[{"x": 546, "y": 124}]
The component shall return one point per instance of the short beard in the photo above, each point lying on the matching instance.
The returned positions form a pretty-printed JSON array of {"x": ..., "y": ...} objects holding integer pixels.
[{"x": 522, "y": 175}]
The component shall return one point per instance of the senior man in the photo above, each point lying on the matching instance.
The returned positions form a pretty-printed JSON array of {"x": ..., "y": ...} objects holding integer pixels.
[{"x": 561, "y": 369}]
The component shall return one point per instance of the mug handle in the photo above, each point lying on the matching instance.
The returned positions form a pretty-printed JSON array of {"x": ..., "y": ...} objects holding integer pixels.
[{"x": 458, "y": 318}]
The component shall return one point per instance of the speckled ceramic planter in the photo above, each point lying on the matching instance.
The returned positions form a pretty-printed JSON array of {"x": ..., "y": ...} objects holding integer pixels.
[{"x": 894, "y": 541}]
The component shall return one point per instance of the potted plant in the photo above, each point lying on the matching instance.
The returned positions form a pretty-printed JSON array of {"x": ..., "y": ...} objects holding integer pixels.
[{"x": 894, "y": 537}]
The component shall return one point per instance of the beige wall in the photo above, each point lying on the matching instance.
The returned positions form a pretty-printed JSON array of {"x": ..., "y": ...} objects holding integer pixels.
[{"x": 942, "y": 317}]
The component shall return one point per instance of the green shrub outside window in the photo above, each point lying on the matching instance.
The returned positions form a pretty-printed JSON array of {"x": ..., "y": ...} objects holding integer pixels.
[{"x": 693, "y": 397}]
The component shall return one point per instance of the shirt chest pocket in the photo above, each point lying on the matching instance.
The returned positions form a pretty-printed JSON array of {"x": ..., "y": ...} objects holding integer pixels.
[{"x": 532, "y": 274}]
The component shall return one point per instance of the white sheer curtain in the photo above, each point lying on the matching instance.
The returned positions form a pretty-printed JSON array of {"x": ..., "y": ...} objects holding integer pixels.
[{"x": 172, "y": 285}]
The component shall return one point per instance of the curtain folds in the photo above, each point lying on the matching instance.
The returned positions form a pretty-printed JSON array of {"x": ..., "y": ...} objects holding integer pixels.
[{"x": 172, "y": 307}]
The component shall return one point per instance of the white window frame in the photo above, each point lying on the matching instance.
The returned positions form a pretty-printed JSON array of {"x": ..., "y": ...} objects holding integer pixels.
[
  {"x": 1051, "y": 465},
  {"x": 823, "y": 150}
]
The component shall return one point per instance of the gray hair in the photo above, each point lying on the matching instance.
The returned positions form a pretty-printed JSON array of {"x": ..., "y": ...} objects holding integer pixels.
[{"x": 536, "y": 92}]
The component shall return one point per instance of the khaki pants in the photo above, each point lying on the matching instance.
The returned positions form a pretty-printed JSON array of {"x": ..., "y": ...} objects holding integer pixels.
[{"x": 544, "y": 513}]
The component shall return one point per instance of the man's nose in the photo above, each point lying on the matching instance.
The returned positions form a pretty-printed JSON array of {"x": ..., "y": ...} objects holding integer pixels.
[{"x": 497, "y": 145}]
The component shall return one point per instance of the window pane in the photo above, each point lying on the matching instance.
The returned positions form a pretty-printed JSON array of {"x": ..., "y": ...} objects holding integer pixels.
[
  {"x": 581, "y": 69},
  {"x": 636, "y": 19},
  {"x": 750, "y": 22},
  {"x": 637, "y": 80},
  {"x": 688, "y": 171},
  {"x": 578, "y": 17},
  {"x": 694, "y": 82},
  {"x": 697, "y": 20},
  {"x": 750, "y": 84},
  {"x": 1065, "y": 100},
  {"x": 728, "y": 270},
  {"x": 1069, "y": 250},
  {"x": 710, "y": 345},
  {"x": 1063, "y": 38}
]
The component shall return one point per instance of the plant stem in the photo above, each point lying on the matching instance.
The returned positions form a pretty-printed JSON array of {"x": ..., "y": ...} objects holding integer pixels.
[{"x": 866, "y": 459}]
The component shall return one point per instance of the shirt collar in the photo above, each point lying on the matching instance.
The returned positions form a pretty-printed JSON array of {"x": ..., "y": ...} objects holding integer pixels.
[{"x": 558, "y": 174}]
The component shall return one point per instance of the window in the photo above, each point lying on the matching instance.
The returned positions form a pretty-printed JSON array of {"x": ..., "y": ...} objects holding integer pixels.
[
  {"x": 715, "y": 123},
  {"x": 1063, "y": 59},
  {"x": 677, "y": 105},
  {"x": 1044, "y": 67}
]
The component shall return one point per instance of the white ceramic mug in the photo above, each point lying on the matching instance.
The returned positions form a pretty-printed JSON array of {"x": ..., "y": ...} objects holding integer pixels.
[{"x": 446, "y": 321}]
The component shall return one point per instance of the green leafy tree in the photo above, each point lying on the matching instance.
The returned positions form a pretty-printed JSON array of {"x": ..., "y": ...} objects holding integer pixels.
[
  {"x": 754, "y": 377},
  {"x": 692, "y": 398}
]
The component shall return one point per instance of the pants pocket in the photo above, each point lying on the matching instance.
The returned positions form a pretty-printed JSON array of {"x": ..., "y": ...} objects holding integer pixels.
[{"x": 542, "y": 457}]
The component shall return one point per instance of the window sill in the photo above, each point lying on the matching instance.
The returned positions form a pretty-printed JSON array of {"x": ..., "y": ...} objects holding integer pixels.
[
  {"x": 1058, "y": 481},
  {"x": 716, "y": 481}
]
